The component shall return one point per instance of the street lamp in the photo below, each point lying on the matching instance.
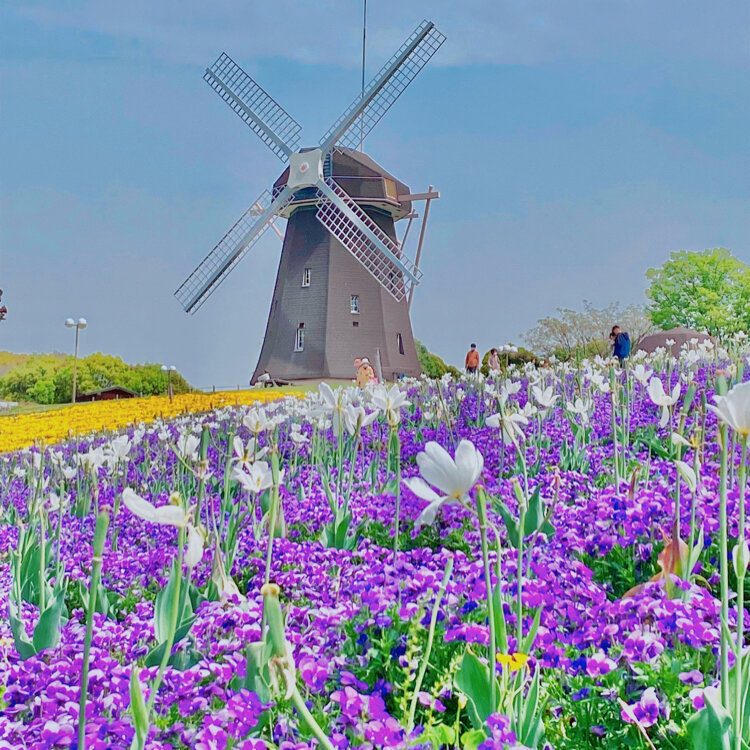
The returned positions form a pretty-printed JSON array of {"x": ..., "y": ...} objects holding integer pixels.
[
  {"x": 169, "y": 370},
  {"x": 79, "y": 326}
]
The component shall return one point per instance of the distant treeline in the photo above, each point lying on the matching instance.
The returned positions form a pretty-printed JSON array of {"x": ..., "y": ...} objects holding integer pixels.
[{"x": 48, "y": 378}]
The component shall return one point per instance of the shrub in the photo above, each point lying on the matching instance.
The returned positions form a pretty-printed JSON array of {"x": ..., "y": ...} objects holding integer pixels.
[{"x": 432, "y": 365}]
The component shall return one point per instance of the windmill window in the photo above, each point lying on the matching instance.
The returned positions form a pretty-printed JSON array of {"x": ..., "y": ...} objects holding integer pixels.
[
  {"x": 306, "y": 277},
  {"x": 299, "y": 338},
  {"x": 400, "y": 343},
  {"x": 354, "y": 303},
  {"x": 355, "y": 324}
]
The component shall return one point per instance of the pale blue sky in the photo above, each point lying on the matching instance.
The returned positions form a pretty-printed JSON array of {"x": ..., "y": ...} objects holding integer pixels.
[{"x": 575, "y": 144}]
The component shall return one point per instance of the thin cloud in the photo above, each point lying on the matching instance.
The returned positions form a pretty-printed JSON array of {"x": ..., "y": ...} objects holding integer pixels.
[{"x": 517, "y": 32}]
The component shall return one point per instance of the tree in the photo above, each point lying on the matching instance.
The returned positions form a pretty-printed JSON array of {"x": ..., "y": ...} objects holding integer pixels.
[
  {"x": 432, "y": 365},
  {"x": 708, "y": 291},
  {"x": 585, "y": 333}
]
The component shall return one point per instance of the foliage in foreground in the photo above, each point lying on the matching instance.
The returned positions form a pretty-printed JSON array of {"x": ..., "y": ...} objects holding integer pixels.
[{"x": 553, "y": 559}]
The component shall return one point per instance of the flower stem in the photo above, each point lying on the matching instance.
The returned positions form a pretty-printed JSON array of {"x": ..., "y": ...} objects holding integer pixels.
[
  {"x": 394, "y": 451},
  {"x": 428, "y": 647},
  {"x": 739, "y": 672},
  {"x": 482, "y": 512},
  {"x": 100, "y": 534},
  {"x": 313, "y": 725},
  {"x": 273, "y": 511},
  {"x": 723, "y": 556}
]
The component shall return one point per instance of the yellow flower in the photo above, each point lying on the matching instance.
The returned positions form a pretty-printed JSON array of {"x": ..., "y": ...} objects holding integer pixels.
[
  {"x": 20, "y": 431},
  {"x": 514, "y": 661}
]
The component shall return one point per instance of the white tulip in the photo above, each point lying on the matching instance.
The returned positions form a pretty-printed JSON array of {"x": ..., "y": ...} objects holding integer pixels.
[
  {"x": 187, "y": 446},
  {"x": 356, "y": 418},
  {"x": 545, "y": 398},
  {"x": 194, "y": 547},
  {"x": 258, "y": 478},
  {"x": 168, "y": 515},
  {"x": 642, "y": 374},
  {"x": 659, "y": 397},
  {"x": 454, "y": 478},
  {"x": 510, "y": 425},
  {"x": 734, "y": 408},
  {"x": 390, "y": 401},
  {"x": 255, "y": 420}
]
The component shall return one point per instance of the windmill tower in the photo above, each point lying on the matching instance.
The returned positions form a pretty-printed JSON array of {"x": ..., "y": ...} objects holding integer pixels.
[{"x": 343, "y": 283}]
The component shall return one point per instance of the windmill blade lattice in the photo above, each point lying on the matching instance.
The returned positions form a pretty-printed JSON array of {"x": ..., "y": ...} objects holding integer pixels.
[
  {"x": 258, "y": 109},
  {"x": 365, "y": 111},
  {"x": 365, "y": 240},
  {"x": 215, "y": 267}
]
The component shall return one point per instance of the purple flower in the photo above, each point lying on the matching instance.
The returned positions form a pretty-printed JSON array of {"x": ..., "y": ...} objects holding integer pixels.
[{"x": 645, "y": 711}]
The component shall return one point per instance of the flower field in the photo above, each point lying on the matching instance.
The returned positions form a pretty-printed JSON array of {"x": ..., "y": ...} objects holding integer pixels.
[
  {"x": 52, "y": 426},
  {"x": 545, "y": 558}
]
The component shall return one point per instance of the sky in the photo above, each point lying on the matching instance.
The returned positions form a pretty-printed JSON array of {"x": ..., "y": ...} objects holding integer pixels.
[{"x": 575, "y": 144}]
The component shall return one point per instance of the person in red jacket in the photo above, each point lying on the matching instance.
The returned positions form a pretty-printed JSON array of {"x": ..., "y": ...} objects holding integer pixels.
[{"x": 472, "y": 360}]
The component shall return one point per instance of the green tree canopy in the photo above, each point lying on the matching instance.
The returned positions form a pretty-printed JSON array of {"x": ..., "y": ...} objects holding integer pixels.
[{"x": 708, "y": 291}]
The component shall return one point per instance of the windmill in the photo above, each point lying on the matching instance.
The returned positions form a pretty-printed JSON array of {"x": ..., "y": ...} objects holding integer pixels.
[{"x": 343, "y": 285}]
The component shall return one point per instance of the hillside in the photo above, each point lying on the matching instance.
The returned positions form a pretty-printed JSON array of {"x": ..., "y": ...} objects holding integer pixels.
[{"x": 48, "y": 378}]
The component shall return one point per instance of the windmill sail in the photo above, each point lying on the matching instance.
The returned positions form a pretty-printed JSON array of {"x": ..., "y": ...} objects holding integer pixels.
[
  {"x": 215, "y": 267},
  {"x": 365, "y": 240},
  {"x": 257, "y": 109},
  {"x": 365, "y": 111}
]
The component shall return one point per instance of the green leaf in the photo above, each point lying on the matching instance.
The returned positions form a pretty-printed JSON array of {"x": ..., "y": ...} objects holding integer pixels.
[
  {"x": 473, "y": 739},
  {"x": 500, "y": 625},
  {"x": 256, "y": 673},
  {"x": 138, "y": 707},
  {"x": 535, "y": 516},
  {"x": 164, "y": 606},
  {"x": 154, "y": 657},
  {"x": 47, "y": 630},
  {"x": 510, "y": 522},
  {"x": 532, "y": 728},
  {"x": 473, "y": 680},
  {"x": 745, "y": 699},
  {"x": 24, "y": 646},
  {"x": 528, "y": 641},
  {"x": 710, "y": 728}
]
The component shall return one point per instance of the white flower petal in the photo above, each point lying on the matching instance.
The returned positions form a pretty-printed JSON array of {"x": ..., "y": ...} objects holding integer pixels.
[{"x": 421, "y": 489}]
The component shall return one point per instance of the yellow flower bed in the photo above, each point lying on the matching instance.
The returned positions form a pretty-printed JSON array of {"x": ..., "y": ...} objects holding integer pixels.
[{"x": 53, "y": 426}]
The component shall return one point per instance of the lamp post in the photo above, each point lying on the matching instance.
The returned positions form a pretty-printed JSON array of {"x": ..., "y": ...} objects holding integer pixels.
[
  {"x": 79, "y": 325},
  {"x": 169, "y": 370}
]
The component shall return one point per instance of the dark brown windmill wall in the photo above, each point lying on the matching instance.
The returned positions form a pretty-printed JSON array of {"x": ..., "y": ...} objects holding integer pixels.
[{"x": 332, "y": 341}]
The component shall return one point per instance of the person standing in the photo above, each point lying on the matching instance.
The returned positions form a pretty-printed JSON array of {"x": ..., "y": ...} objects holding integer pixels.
[
  {"x": 494, "y": 360},
  {"x": 620, "y": 344},
  {"x": 472, "y": 360},
  {"x": 365, "y": 373}
]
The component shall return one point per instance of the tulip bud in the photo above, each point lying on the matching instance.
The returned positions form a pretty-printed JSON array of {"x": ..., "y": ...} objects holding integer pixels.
[
  {"x": 688, "y": 474},
  {"x": 740, "y": 559}
]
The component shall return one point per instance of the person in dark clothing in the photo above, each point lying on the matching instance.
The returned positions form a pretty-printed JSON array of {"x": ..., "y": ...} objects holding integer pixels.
[{"x": 620, "y": 344}]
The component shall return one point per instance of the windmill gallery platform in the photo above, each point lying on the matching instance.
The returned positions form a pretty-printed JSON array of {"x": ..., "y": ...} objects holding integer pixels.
[{"x": 344, "y": 283}]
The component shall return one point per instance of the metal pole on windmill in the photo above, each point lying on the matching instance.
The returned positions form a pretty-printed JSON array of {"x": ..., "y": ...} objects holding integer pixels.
[
  {"x": 364, "y": 46},
  {"x": 421, "y": 240}
]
